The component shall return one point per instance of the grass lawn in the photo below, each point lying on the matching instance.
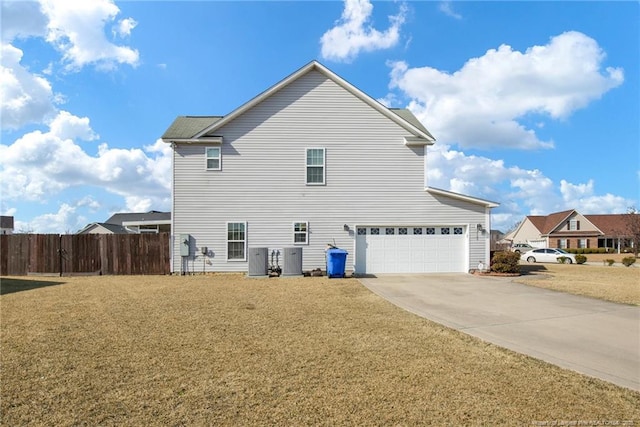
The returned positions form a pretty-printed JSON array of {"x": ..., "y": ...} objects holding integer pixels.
[
  {"x": 227, "y": 350},
  {"x": 615, "y": 283}
]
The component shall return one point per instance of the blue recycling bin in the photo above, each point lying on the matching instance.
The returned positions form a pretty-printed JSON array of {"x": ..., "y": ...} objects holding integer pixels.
[{"x": 336, "y": 262}]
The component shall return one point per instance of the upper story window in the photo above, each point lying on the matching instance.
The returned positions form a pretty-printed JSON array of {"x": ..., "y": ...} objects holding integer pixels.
[
  {"x": 315, "y": 167},
  {"x": 213, "y": 155},
  {"x": 301, "y": 232},
  {"x": 574, "y": 225}
]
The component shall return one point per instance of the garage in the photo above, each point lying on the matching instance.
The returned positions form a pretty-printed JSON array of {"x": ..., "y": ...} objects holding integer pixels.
[{"x": 412, "y": 249}]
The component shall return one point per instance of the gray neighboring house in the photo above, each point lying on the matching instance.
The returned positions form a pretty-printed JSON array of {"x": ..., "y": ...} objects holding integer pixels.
[
  {"x": 131, "y": 223},
  {"x": 314, "y": 161},
  {"x": 6, "y": 224}
]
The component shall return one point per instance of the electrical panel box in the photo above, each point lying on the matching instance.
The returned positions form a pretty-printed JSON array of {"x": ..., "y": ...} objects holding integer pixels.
[{"x": 184, "y": 244}]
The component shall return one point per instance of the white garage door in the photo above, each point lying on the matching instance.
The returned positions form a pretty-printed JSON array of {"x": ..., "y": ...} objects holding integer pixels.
[{"x": 428, "y": 249}]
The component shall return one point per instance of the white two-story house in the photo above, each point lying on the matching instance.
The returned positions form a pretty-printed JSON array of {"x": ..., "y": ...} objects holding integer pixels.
[{"x": 311, "y": 162}]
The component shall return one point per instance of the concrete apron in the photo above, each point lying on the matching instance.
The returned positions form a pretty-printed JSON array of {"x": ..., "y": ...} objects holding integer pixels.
[{"x": 597, "y": 338}]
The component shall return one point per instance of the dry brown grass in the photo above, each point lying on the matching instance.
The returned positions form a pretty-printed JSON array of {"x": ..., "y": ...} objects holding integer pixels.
[
  {"x": 226, "y": 350},
  {"x": 615, "y": 283}
]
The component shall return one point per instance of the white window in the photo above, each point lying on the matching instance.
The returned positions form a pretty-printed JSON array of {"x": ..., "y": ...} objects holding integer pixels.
[
  {"x": 236, "y": 241},
  {"x": 301, "y": 233},
  {"x": 583, "y": 243},
  {"x": 212, "y": 155},
  {"x": 563, "y": 243},
  {"x": 315, "y": 166},
  {"x": 574, "y": 225}
]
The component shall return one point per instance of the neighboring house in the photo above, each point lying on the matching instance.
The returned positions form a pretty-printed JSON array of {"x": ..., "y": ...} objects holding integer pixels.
[
  {"x": 311, "y": 162},
  {"x": 571, "y": 229},
  {"x": 147, "y": 222},
  {"x": 497, "y": 244},
  {"x": 132, "y": 223},
  {"x": 6, "y": 224},
  {"x": 104, "y": 228}
]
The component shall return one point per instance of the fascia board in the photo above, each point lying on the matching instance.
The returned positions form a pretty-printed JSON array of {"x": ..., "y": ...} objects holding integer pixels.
[
  {"x": 475, "y": 200},
  {"x": 202, "y": 140},
  {"x": 416, "y": 141}
]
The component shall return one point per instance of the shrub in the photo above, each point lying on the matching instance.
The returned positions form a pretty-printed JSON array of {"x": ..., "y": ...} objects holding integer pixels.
[
  {"x": 581, "y": 259},
  {"x": 628, "y": 261},
  {"x": 609, "y": 261},
  {"x": 506, "y": 262}
]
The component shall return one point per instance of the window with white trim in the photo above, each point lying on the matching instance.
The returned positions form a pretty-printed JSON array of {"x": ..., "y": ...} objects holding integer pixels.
[
  {"x": 315, "y": 170},
  {"x": 301, "y": 233},
  {"x": 583, "y": 243},
  {"x": 574, "y": 225},
  {"x": 563, "y": 243},
  {"x": 236, "y": 241},
  {"x": 213, "y": 157}
]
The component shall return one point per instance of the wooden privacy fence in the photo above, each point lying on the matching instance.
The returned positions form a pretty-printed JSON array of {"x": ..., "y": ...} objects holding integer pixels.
[{"x": 68, "y": 254}]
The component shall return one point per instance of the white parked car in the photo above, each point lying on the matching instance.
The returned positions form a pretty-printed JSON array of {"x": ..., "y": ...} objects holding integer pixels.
[
  {"x": 521, "y": 247},
  {"x": 547, "y": 255}
]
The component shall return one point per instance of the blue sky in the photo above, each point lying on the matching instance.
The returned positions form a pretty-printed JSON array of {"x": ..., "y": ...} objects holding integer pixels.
[{"x": 535, "y": 105}]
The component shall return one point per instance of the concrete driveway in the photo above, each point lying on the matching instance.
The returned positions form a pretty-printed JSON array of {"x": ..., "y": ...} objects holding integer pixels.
[{"x": 593, "y": 337}]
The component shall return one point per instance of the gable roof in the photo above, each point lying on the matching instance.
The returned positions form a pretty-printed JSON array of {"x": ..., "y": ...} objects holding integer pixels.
[
  {"x": 181, "y": 129},
  {"x": 186, "y": 127},
  {"x": 610, "y": 225},
  {"x": 150, "y": 217},
  {"x": 553, "y": 221},
  {"x": 607, "y": 224}
]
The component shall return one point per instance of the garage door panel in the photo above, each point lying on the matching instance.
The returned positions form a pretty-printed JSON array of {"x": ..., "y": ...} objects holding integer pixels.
[{"x": 404, "y": 250}]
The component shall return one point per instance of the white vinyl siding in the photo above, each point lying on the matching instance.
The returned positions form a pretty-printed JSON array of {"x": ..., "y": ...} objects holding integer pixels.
[
  {"x": 371, "y": 177},
  {"x": 315, "y": 172},
  {"x": 213, "y": 158},
  {"x": 236, "y": 241},
  {"x": 301, "y": 233}
]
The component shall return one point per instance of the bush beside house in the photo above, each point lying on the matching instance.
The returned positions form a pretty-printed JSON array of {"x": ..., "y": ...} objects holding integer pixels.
[{"x": 506, "y": 262}]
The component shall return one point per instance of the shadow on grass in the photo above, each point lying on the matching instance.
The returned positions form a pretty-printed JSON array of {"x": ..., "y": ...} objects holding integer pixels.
[
  {"x": 529, "y": 269},
  {"x": 9, "y": 286}
]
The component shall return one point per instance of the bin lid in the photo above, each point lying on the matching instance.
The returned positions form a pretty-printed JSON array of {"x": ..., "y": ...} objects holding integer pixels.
[{"x": 336, "y": 251}]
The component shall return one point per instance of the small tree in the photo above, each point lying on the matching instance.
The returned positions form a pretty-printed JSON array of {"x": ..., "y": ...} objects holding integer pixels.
[{"x": 632, "y": 221}]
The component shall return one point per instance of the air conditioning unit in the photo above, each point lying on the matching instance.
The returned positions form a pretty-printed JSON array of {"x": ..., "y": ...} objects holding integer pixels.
[
  {"x": 258, "y": 261},
  {"x": 292, "y": 261}
]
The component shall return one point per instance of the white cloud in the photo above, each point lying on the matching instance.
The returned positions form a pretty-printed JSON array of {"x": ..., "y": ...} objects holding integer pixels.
[
  {"x": 21, "y": 19},
  {"x": 77, "y": 30},
  {"x": 446, "y": 7},
  {"x": 481, "y": 104},
  {"x": 38, "y": 165},
  {"x": 24, "y": 97},
  {"x": 354, "y": 33},
  {"x": 519, "y": 191},
  {"x": 582, "y": 195},
  {"x": 124, "y": 27}
]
